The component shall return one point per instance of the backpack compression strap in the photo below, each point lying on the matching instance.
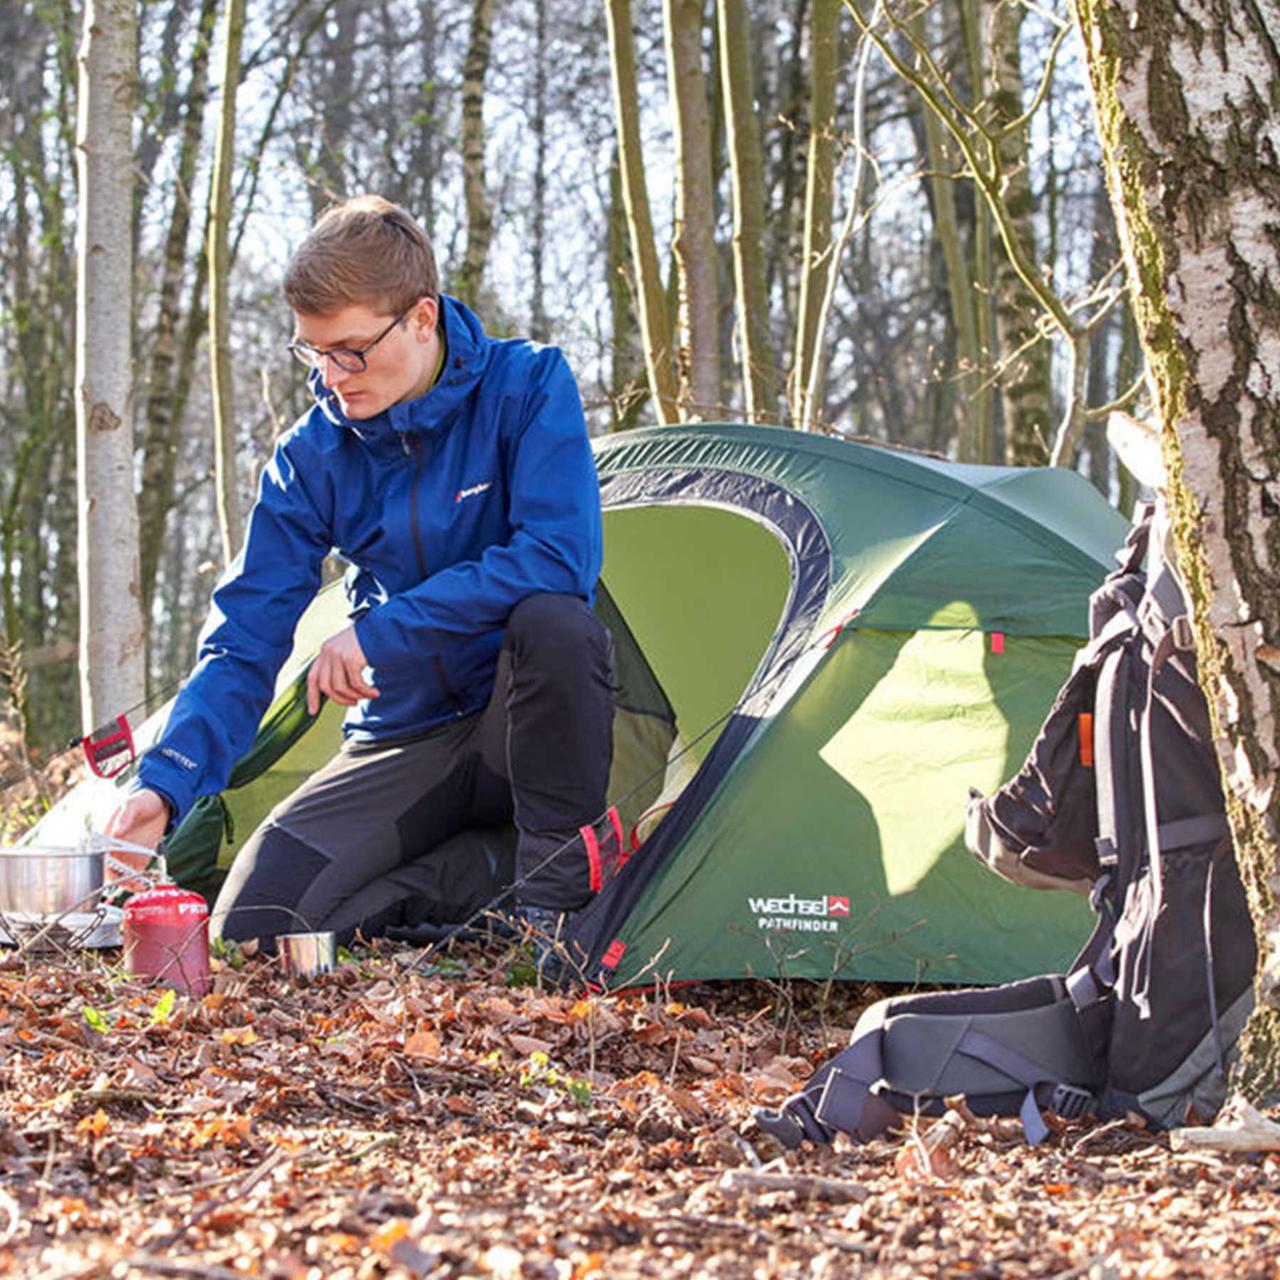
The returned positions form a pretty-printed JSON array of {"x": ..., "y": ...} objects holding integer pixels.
[{"x": 953, "y": 1041}]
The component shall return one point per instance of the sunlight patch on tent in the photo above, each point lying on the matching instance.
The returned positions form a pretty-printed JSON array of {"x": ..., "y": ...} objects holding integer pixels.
[{"x": 921, "y": 737}]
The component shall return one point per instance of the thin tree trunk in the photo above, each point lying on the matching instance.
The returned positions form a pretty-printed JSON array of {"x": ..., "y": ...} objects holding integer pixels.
[
  {"x": 698, "y": 346},
  {"x": 654, "y": 324},
  {"x": 626, "y": 364},
  {"x": 230, "y": 519},
  {"x": 337, "y": 119},
  {"x": 160, "y": 433},
  {"x": 980, "y": 254},
  {"x": 112, "y": 654},
  {"x": 1024, "y": 359},
  {"x": 426, "y": 148},
  {"x": 1186, "y": 94},
  {"x": 470, "y": 275},
  {"x": 539, "y": 328},
  {"x": 974, "y": 400},
  {"x": 793, "y": 105},
  {"x": 819, "y": 201},
  {"x": 1098, "y": 382},
  {"x": 759, "y": 373},
  {"x": 1128, "y": 366}
]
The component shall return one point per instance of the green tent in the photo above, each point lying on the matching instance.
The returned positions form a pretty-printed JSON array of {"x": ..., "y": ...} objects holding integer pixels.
[
  {"x": 820, "y": 646},
  {"x": 850, "y": 637}
]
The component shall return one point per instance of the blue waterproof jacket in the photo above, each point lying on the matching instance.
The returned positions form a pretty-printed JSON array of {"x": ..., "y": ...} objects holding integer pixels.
[{"x": 450, "y": 509}]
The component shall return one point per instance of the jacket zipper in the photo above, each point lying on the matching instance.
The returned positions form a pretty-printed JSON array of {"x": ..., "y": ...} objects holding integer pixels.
[
  {"x": 416, "y": 526},
  {"x": 414, "y": 522}
]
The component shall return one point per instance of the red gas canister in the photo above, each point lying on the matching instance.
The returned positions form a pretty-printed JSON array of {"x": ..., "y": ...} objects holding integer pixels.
[{"x": 166, "y": 938}]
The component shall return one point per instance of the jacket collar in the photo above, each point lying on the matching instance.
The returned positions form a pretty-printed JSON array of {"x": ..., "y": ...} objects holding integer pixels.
[{"x": 466, "y": 351}]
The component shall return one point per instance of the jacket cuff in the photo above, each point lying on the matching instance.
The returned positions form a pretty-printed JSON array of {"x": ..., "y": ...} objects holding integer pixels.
[{"x": 170, "y": 785}]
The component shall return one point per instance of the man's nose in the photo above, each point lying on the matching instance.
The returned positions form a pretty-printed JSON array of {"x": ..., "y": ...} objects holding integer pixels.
[{"x": 331, "y": 372}]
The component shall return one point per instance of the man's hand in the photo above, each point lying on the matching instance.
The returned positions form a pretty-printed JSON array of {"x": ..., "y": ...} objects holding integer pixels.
[
  {"x": 140, "y": 819},
  {"x": 338, "y": 672}
]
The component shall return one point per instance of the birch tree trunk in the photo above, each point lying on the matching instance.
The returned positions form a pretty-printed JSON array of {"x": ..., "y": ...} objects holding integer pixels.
[
  {"x": 698, "y": 300},
  {"x": 759, "y": 373},
  {"x": 230, "y": 517},
  {"x": 112, "y": 654},
  {"x": 654, "y": 324},
  {"x": 1186, "y": 93},
  {"x": 819, "y": 202},
  {"x": 470, "y": 275}
]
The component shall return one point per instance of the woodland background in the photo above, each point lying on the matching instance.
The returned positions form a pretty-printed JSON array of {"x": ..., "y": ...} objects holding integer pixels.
[
  {"x": 520, "y": 133},
  {"x": 655, "y": 187}
]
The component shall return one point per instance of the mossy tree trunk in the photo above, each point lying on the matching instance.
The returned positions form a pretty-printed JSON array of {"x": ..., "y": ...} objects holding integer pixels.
[
  {"x": 230, "y": 513},
  {"x": 1185, "y": 92}
]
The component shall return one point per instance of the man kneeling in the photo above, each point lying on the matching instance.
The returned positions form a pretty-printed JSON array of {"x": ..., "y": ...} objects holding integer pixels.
[{"x": 453, "y": 473}]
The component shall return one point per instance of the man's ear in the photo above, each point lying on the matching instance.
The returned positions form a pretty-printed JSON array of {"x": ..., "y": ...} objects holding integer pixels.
[{"x": 426, "y": 315}]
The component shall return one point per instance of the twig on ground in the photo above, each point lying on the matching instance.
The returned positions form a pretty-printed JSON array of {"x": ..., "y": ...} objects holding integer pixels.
[
  {"x": 246, "y": 1184},
  {"x": 1240, "y": 1127},
  {"x": 163, "y": 1267},
  {"x": 751, "y": 1181},
  {"x": 351, "y": 1157},
  {"x": 11, "y": 1215}
]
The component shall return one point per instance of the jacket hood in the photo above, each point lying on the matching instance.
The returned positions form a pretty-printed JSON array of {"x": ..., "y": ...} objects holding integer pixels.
[{"x": 466, "y": 352}]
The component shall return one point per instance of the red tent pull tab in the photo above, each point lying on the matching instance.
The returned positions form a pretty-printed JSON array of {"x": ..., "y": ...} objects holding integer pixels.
[
  {"x": 109, "y": 749},
  {"x": 997, "y": 642}
]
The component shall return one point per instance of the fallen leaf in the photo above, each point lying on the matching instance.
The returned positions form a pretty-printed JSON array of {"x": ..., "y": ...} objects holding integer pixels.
[
  {"x": 95, "y": 1124},
  {"x": 423, "y": 1043},
  {"x": 527, "y": 1046},
  {"x": 388, "y": 1234}
]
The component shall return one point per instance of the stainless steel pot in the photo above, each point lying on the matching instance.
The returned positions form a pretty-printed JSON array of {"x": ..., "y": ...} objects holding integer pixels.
[{"x": 48, "y": 881}]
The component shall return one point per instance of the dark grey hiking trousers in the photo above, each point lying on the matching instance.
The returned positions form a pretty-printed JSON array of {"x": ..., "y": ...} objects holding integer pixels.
[{"x": 422, "y": 830}]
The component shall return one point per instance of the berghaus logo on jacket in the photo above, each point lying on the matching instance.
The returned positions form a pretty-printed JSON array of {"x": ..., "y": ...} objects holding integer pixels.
[{"x": 474, "y": 491}]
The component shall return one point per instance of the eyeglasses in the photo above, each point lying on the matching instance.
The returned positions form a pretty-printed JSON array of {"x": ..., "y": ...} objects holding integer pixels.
[{"x": 347, "y": 359}]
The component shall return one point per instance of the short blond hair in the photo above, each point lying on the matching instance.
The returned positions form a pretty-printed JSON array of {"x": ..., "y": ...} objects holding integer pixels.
[{"x": 363, "y": 251}]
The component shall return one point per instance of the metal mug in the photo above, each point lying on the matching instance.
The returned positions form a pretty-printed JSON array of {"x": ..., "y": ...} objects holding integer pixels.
[{"x": 304, "y": 955}]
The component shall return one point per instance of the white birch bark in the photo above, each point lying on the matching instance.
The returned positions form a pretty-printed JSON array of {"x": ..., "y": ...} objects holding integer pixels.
[
  {"x": 112, "y": 642},
  {"x": 1185, "y": 92}
]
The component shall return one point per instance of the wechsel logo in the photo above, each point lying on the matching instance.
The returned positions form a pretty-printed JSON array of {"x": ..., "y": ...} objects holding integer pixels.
[
  {"x": 474, "y": 492},
  {"x": 805, "y": 915}
]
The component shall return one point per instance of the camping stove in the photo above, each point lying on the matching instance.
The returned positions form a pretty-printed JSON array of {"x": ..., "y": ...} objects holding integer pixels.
[
  {"x": 42, "y": 934},
  {"x": 51, "y": 897}
]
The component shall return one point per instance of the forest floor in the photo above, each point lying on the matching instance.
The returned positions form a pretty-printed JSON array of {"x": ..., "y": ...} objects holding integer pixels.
[{"x": 385, "y": 1121}]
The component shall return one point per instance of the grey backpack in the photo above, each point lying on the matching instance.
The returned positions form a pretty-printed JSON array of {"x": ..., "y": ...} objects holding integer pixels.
[{"x": 1120, "y": 798}]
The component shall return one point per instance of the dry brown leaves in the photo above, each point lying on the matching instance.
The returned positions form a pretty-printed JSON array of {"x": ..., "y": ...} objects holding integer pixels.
[{"x": 382, "y": 1122}]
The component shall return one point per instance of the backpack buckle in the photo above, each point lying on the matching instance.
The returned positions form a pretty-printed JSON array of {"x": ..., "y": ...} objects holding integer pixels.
[
  {"x": 1184, "y": 636},
  {"x": 1070, "y": 1102},
  {"x": 792, "y": 1123}
]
